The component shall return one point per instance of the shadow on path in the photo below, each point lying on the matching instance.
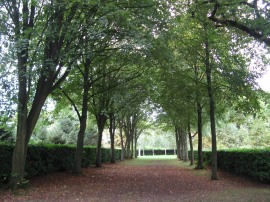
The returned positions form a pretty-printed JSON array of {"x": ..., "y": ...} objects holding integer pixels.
[{"x": 154, "y": 178}]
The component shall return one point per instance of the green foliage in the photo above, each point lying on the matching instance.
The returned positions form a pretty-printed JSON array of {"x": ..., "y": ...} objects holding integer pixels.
[
  {"x": 240, "y": 130},
  {"x": 248, "y": 162},
  {"x": 156, "y": 137},
  {"x": 56, "y": 135},
  {"x": 6, "y": 150},
  {"x": 47, "y": 158},
  {"x": 64, "y": 130},
  {"x": 6, "y": 129},
  {"x": 206, "y": 156}
]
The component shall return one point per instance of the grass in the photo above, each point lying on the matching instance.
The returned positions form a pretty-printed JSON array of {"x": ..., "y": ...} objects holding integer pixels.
[
  {"x": 150, "y": 160},
  {"x": 168, "y": 160}
]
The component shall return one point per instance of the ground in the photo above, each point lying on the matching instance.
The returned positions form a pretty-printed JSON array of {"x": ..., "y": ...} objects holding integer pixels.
[{"x": 143, "y": 179}]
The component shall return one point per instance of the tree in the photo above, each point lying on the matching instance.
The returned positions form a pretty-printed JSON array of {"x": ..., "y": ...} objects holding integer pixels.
[
  {"x": 214, "y": 67},
  {"x": 251, "y": 17},
  {"x": 34, "y": 40},
  {"x": 214, "y": 55}
]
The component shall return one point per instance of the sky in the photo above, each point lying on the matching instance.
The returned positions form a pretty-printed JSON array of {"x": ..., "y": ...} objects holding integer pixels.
[{"x": 264, "y": 81}]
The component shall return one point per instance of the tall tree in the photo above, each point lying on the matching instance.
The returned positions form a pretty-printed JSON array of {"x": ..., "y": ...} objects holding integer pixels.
[{"x": 37, "y": 31}]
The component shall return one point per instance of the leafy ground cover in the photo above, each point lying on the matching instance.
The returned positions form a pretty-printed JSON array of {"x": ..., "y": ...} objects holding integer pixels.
[{"x": 144, "y": 179}]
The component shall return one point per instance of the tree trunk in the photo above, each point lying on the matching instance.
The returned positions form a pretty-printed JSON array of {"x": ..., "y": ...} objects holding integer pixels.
[
  {"x": 190, "y": 145},
  {"x": 79, "y": 148},
  {"x": 122, "y": 142},
  {"x": 18, "y": 162},
  {"x": 80, "y": 141},
  {"x": 127, "y": 129},
  {"x": 112, "y": 133},
  {"x": 19, "y": 153},
  {"x": 136, "y": 136},
  {"x": 212, "y": 113},
  {"x": 101, "y": 120},
  {"x": 181, "y": 145},
  {"x": 135, "y": 143},
  {"x": 20, "y": 149},
  {"x": 199, "y": 120},
  {"x": 128, "y": 146},
  {"x": 48, "y": 79},
  {"x": 135, "y": 148},
  {"x": 83, "y": 119},
  {"x": 185, "y": 147},
  {"x": 132, "y": 147},
  {"x": 177, "y": 142}
]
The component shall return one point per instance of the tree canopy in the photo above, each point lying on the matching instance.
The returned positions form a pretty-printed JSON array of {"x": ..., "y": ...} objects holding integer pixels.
[{"x": 190, "y": 64}]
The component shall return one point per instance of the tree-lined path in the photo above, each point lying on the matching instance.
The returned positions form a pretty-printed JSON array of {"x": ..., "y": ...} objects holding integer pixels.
[{"x": 143, "y": 179}]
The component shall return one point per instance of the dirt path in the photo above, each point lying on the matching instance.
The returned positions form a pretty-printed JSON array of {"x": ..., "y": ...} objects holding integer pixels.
[{"x": 144, "y": 179}]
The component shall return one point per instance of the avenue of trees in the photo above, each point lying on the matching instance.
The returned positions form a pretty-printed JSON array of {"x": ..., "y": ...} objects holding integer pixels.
[{"x": 71, "y": 70}]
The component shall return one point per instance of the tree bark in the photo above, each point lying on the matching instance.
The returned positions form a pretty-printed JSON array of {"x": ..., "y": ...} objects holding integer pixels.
[
  {"x": 212, "y": 112},
  {"x": 185, "y": 146},
  {"x": 181, "y": 141},
  {"x": 199, "y": 119},
  {"x": 112, "y": 134},
  {"x": 132, "y": 147},
  {"x": 79, "y": 149},
  {"x": 128, "y": 146},
  {"x": 177, "y": 139},
  {"x": 127, "y": 126},
  {"x": 199, "y": 125},
  {"x": 135, "y": 148},
  {"x": 122, "y": 142},
  {"x": 190, "y": 146},
  {"x": 83, "y": 119},
  {"x": 101, "y": 120},
  {"x": 20, "y": 150}
]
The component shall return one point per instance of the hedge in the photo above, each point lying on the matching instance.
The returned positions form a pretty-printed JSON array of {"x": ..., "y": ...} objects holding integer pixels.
[
  {"x": 254, "y": 163},
  {"x": 206, "y": 156},
  {"x": 44, "y": 159}
]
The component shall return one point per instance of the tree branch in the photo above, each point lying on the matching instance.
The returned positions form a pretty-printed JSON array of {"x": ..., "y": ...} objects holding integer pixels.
[{"x": 72, "y": 102}]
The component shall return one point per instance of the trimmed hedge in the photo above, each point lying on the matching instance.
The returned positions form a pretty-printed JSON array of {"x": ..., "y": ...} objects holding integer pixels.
[
  {"x": 247, "y": 162},
  {"x": 44, "y": 159},
  {"x": 206, "y": 156}
]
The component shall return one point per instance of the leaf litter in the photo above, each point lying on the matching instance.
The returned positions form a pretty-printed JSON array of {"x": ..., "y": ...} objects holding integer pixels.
[{"x": 132, "y": 180}]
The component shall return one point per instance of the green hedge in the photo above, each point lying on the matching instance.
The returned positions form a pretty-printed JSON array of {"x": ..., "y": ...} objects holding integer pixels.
[
  {"x": 247, "y": 162},
  {"x": 43, "y": 159},
  {"x": 206, "y": 156}
]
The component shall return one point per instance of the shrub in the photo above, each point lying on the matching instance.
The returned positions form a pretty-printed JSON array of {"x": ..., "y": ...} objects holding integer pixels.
[
  {"x": 43, "y": 159},
  {"x": 56, "y": 135},
  {"x": 6, "y": 150},
  {"x": 170, "y": 151},
  {"x": 247, "y": 162}
]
